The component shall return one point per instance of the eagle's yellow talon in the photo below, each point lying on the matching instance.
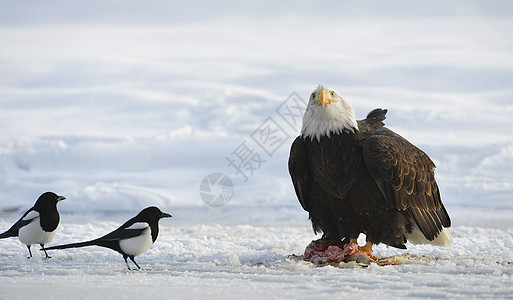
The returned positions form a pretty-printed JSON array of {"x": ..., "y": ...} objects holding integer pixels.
[{"x": 367, "y": 249}]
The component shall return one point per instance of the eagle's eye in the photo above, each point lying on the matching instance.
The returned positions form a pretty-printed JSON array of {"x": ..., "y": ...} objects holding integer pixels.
[
  {"x": 332, "y": 93},
  {"x": 313, "y": 95}
]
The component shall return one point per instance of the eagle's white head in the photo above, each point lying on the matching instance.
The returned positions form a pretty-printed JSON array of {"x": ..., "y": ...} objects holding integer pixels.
[{"x": 326, "y": 113}]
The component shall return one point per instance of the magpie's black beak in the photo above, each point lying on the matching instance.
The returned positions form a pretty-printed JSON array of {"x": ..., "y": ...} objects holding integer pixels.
[
  {"x": 165, "y": 215},
  {"x": 60, "y": 198}
]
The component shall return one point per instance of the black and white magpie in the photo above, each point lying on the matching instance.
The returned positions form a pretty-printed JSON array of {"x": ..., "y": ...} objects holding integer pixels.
[
  {"x": 39, "y": 224},
  {"x": 132, "y": 238}
]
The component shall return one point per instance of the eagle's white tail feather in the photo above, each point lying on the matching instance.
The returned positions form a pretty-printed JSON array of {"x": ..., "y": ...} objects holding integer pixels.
[{"x": 444, "y": 238}]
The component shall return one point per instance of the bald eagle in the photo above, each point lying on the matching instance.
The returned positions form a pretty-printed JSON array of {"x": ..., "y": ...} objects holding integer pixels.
[{"x": 358, "y": 177}]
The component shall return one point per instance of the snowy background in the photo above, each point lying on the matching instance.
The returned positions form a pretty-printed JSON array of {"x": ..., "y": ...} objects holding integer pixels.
[{"x": 120, "y": 105}]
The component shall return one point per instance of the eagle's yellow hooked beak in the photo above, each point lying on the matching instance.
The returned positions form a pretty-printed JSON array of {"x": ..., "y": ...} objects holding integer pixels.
[{"x": 325, "y": 98}]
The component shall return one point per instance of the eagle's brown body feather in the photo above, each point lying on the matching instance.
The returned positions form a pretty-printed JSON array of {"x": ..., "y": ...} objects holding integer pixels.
[{"x": 370, "y": 181}]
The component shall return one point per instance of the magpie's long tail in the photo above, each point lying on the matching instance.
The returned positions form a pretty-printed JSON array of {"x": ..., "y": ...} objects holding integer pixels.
[
  {"x": 7, "y": 234},
  {"x": 73, "y": 245}
]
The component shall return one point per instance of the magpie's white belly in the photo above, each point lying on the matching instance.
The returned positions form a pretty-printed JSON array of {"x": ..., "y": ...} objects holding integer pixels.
[
  {"x": 47, "y": 237},
  {"x": 31, "y": 233},
  {"x": 137, "y": 245}
]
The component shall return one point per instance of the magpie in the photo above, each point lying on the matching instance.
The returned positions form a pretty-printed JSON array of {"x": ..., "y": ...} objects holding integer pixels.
[
  {"x": 39, "y": 224},
  {"x": 132, "y": 238}
]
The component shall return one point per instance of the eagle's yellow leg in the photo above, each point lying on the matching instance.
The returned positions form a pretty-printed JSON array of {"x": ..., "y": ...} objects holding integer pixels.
[{"x": 367, "y": 249}]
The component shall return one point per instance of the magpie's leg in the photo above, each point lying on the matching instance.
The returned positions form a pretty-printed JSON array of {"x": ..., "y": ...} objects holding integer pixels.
[
  {"x": 30, "y": 252},
  {"x": 43, "y": 247},
  {"x": 132, "y": 258},
  {"x": 126, "y": 261}
]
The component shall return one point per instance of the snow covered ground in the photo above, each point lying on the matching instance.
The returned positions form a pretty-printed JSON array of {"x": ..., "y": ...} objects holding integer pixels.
[
  {"x": 238, "y": 261},
  {"x": 119, "y": 107}
]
